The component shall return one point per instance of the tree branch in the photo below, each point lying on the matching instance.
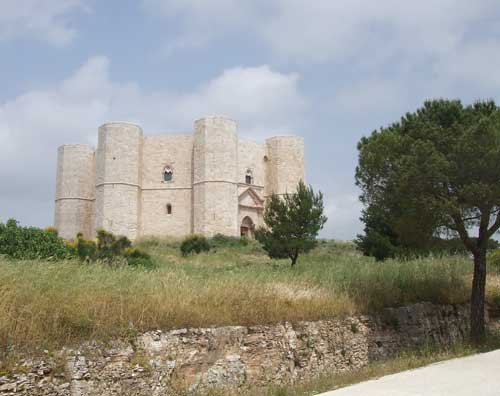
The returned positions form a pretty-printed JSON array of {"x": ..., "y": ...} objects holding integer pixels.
[
  {"x": 494, "y": 228},
  {"x": 483, "y": 237},
  {"x": 464, "y": 235}
]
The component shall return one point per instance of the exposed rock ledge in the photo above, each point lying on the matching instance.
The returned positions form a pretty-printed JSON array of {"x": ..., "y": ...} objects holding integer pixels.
[{"x": 163, "y": 363}]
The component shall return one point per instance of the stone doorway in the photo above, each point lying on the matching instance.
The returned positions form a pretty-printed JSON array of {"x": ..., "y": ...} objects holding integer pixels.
[{"x": 247, "y": 227}]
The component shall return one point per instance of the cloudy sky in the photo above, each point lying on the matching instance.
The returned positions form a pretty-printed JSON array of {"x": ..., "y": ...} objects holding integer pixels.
[{"x": 330, "y": 70}]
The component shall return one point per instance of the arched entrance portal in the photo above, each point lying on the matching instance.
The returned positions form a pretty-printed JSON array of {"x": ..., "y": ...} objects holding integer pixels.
[{"x": 247, "y": 227}]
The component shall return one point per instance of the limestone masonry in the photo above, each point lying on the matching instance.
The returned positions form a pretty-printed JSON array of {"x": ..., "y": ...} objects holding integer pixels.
[
  {"x": 210, "y": 360},
  {"x": 206, "y": 183}
]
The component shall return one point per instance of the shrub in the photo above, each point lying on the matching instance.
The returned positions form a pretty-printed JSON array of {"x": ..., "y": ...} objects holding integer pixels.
[
  {"x": 137, "y": 258},
  {"x": 106, "y": 245},
  {"x": 194, "y": 244},
  {"x": 34, "y": 243},
  {"x": 494, "y": 259},
  {"x": 31, "y": 243},
  {"x": 86, "y": 250},
  {"x": 222, "y": 241},
  {"x": 112, "y": 250},
  {"x": 52, "y": 230},
  {"x": 109, "y": 246}
]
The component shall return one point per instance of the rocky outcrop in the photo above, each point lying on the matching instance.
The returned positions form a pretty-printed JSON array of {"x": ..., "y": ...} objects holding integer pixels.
[{"x": 194, "y": 360}]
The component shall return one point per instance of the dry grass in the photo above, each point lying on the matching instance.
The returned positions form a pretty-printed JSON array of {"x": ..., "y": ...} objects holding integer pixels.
[{"x": 50, "y": 304}]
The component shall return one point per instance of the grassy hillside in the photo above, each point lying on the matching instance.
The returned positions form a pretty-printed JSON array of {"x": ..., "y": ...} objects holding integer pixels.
[{"x": 48, "y": 304}]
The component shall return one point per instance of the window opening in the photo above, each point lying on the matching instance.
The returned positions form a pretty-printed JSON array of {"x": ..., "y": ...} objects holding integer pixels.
[
  {"x": 249, "y": 177},
  {"x": 167, "y": 174}
]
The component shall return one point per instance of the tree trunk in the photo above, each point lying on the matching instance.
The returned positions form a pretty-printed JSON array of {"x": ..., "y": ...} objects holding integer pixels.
[
  {"x": 478, "y": 296},
  {"x": 294, "y": 258}
]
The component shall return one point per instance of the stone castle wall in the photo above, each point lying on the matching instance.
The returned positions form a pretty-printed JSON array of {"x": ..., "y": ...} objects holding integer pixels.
[
  {"x": 75, "y": 185},
  {"x": 118, "y": 179},
  {"x": 215, "y": 176},
  {"x": 175, "y": 151},
  {"x": 251, "y": 157},
  {"x": 121, "y": 188},
  {"x": 285, "y": 164},
  {"x": 192, "y": 361}
]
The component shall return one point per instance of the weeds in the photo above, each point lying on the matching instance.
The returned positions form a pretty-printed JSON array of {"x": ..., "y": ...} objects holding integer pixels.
[{"x": 50, "y": 304}]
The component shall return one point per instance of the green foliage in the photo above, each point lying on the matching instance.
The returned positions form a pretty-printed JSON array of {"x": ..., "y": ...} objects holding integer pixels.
[
  {"x": 194, "y": 244},
  {"x": 111, "y": 250},
  {"x": 436, "y": 173},
  {"x": 34, "y": 243},
  {"x": 494, "y": 259},
  {"x": 380, "y": 240},
  {"x": 223, "y": 241},
  {"x": 86, "y": 250},
  {"x": 110, "y": 246},
  {"x": 293, "y": 223},
  {"x": 137, "y": 257},
  {"x": 31, "y": 243}
]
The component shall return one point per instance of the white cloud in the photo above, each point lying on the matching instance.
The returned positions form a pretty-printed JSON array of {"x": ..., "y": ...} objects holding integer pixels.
[
  {"x": 474, "y": 64},
  {"x": 370, "y": 96},
  {"x": 376, "y": 60},
  {"x": 343, "y": 213},
  {"x": 325, "y": 30},
  {"x": 36, "y": 122},
  {"x": 45, "y": 20},
  {"x": 206, "y": 15},
  {"x": 338, "y": 30},
  {"x": 253, "y": 95}
]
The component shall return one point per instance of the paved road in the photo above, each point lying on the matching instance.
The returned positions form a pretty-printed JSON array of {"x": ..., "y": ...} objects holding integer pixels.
[{"x": 477, "y": 375}]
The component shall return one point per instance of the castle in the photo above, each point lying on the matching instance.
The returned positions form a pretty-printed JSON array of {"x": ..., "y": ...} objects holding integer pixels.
[{"x": 206, "y": 183}]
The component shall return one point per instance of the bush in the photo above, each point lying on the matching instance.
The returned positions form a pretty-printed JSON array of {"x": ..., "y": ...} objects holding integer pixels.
[
  {"x": 86, "y": 250},
  {"x": 31, "y": 242},
  {"x": 493, "y": 259},
  {"x": 137, "y": 258},
  {"x": 194, "y": 244},
  {"x": 223, "y": 241},
  {"x": 111, "y": 250}
]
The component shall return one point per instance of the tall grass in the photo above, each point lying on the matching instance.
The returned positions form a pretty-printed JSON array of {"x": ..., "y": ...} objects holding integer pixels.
[{"x": 49, "y": 304}]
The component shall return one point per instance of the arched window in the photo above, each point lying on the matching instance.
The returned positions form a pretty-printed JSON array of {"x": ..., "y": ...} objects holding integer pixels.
[
  {"x": 249, "y": 177},
  {"x": 169, "y": 209},
  {"x": 167, "y": 174}
]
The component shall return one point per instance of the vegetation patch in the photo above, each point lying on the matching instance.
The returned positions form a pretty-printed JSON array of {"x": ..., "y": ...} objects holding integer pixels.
[
  {"x": 111, "y": 250},
  {"x": 19, "y": 242},
  {"x": 194, "y": 244},
  {"x": 48, "y": 304},
  {"x": 30, "y": 243}
]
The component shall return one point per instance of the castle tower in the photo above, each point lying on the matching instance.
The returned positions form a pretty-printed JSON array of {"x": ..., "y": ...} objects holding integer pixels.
[
  {"x": 215, "y": 188},
  {"x": 118, "y": 179},
  {"x": 284, "y": 164},
  {"x": 74, "y": 190}
]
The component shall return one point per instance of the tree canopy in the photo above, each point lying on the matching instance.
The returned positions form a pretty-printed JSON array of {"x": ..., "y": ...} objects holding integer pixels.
[
  {"x": 437, "y": 172},
  {"x": 293, "y": 222}
]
